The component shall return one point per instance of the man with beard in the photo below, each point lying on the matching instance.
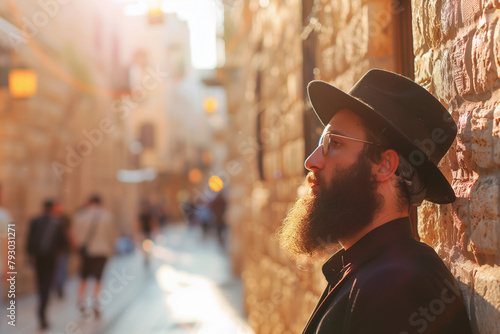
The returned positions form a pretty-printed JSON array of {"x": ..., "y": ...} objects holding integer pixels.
[{"x": 377, "y": 156}]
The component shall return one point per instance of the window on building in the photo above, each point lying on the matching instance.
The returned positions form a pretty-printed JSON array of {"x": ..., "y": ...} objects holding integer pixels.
[{"x": 147, "y": 135}]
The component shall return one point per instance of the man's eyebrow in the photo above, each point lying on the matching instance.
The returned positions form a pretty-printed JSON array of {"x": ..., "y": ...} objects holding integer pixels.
[{"x": 336, "y": 132}]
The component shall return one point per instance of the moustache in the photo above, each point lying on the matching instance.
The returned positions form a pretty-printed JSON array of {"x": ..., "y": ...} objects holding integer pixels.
[{"x": 312, "y": 179}]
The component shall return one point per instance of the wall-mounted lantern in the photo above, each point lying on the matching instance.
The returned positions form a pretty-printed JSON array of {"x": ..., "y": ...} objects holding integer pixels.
[
  {"x": 210, "y": 104},
  {"x": 22, "y": 83}
]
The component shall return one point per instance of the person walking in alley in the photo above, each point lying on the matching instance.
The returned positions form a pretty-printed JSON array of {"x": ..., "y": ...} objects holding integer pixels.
[
  {"x": 218, "y": 206},
  {"x": 95, "y": 236},
  {"x": 62, "y": 264},
  {"x": 46, "y": 241},
  {"x": 377, "y": 156},
  {"x": 146, "y": 224}
]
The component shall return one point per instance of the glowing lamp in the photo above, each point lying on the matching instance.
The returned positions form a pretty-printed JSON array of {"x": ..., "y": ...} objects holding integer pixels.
[
  {"x": 195, "y": 175},
  {"x": 210, "y": 104},
  {"x": 215, "y": 183},
  {"x": 22, "y": 83}
]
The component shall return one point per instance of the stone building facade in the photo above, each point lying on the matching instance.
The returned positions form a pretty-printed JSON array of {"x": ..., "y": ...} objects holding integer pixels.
[
  {"x": 69, "y": 139},
  {"x": 274, "y": 48},
  {"x": 457, "y": 59}
]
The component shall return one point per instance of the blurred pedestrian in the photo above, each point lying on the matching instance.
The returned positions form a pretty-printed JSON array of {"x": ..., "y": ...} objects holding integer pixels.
[
  {"x": 95, "y": 236},
  {"x": 204, "y": 215},
  {"x": 62, "y": 265},
  {"x": 160, "y": 213},
  {"x": 364, "y": 177},
  {"x": 188, "y": 209},
  {"x": 218, "y": 206},
  {"x": 146, "y": 223},
  {"x": 46, "y": 241}
]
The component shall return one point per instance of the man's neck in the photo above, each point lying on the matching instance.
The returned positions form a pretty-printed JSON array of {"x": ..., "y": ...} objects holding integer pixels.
[{"x": 379, "y": 220}]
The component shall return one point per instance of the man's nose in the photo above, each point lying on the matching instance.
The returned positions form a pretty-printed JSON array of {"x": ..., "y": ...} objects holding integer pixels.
[{"x": 316, "y": 160}]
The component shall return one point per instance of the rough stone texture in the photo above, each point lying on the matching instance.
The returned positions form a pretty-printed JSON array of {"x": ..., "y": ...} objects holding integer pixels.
[
  {"x": 482, "y": 62},
  {"x": 350, "y": 37},
  {"x": 487, "y": 299},
  {"x": 449, "y": 13},
  {"x": 463, "y": 65},
  {"x": 457, "y": 59},
  {"x": 484, "y": 238},
  {"x": 459, "y": 65},
  {"x": 482, "y": 139}
]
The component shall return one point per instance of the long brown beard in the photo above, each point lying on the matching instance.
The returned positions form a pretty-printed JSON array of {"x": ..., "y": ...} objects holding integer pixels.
[{"x": 340, "y": 210}]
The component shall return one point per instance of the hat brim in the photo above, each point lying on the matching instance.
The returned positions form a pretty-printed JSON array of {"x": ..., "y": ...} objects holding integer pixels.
[{"x": 326, "y": 100}]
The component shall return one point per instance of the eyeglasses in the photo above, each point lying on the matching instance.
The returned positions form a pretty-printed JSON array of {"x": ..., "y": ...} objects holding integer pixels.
[{"x": 328, "y": 137}]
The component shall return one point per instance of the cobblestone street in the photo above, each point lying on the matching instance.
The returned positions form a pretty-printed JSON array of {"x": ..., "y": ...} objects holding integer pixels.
[{"x": 188, "y": 289}]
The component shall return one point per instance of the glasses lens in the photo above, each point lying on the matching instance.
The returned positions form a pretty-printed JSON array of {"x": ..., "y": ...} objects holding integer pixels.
[{"x": 325, "y": 143}]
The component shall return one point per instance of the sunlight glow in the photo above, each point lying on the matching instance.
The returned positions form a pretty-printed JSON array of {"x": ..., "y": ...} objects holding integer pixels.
[{"x": 201, "y": 17}]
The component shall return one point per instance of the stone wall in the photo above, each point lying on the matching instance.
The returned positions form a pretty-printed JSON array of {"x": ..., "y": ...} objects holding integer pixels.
[
  {"x": 456, "y": 58},
  {"x": 265, "y": 77},
  {"x": 456, "y": 44}
]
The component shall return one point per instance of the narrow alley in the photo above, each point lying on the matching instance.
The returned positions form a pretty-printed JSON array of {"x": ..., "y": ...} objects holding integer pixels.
[{"x": 188, "y": 288}]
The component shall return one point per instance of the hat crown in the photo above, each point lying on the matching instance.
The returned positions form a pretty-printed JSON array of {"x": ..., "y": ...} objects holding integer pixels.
[{"x": 410, "y": 109}]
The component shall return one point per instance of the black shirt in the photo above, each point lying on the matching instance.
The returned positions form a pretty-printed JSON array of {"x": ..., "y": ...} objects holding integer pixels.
[{"x": 388, "y": 282}]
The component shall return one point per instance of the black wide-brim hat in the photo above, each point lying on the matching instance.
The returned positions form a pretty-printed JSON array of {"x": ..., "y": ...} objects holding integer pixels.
[{"x": 412, "y": 120}]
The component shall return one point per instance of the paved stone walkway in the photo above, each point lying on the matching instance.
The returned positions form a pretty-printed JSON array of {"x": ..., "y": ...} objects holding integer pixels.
[{"x": 188, "y": 289}]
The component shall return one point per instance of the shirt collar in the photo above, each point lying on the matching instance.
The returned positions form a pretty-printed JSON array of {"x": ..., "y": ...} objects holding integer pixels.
[{"x": 367, "y": 247}]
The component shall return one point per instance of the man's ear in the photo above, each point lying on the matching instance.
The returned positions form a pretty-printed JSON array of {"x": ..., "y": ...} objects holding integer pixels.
[{"x": 387, "y": 166}]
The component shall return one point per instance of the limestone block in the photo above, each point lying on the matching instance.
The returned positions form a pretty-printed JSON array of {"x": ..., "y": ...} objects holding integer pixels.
[
  {"x": 482, "y": 47},
  {"x": 470, "y": 8},
  {"x": 442, "y": 79},
  {"x": 496, "y": 135},
  {"x": 423, "y": 69},
  {"x": 429, "y": 228},
  {"x": 449, "y": 13},
  {"x": 356, "y": 36},
  {"x": 327, "y": 58},
  {"x": 496, "y": 45},
  {"x": 351, "y": 76},
  {"x": 380, "y": 29},
  {"x": 485, "y": 199},
  {"x": 487, "y": 299},
  {"x": 459, "y": 68},
  {"x": 463, "y": 146},
  {"x": 345, "y": 10},
  {"x": 463, "y": 272},
  {"x": 419, "y": 26},
  {"x": 482, "y": 141},
  {"x": 339, "y": 60},
  {"x": 461, "y": 207},
  {"x": 484, "y": 239},
  {"x": 488, "y": 4},
  {"x": 434, "y": 21},
  {"x": 484, "y": 230}
]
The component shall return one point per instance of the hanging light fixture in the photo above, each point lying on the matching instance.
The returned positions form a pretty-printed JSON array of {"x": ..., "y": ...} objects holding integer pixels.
[{"x": 22, "y": 83}]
